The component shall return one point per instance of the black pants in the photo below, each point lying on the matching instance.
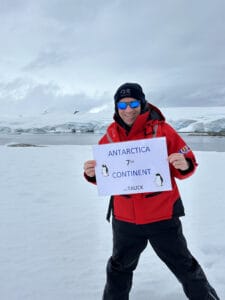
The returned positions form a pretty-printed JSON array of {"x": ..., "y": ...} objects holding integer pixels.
[{"x": 168, "y": 241}]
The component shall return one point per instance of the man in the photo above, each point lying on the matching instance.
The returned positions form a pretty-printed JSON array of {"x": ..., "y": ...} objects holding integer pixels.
[{"x": 149, "y": 217}]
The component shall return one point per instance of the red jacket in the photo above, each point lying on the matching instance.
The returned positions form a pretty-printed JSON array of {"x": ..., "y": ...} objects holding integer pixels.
[{"x": 150, "y": 207}]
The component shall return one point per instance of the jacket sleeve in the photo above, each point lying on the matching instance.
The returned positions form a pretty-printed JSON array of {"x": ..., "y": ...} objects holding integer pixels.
[
  {"x": 90, "y": 179},
  {"x": 175, "y": 144}
]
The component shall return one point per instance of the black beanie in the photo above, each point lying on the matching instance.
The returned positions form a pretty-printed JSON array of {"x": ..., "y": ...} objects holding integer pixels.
[{"x": 133, "y": 90}]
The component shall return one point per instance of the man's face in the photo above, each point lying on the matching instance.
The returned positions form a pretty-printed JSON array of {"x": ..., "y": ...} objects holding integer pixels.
[{"x": 129, "y": 115}]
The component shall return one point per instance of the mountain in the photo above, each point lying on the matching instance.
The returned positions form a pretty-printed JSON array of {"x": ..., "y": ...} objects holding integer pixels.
[{"x": 203, "y": 120}]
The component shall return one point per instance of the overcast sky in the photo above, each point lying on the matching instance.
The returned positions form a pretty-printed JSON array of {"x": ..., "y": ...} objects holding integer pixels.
[{"x": 63, "y": 51}]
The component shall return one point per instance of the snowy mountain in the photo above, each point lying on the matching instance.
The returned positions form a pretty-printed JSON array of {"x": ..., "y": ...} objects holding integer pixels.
[{"x": 208, "y": 120}]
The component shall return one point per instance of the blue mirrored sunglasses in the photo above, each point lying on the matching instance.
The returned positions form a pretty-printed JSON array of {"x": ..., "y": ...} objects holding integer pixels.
[{"x": 132, "y": 104}]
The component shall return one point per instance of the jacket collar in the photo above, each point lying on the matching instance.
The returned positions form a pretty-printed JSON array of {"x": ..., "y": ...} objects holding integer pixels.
[{"x": 150, "y": 112}]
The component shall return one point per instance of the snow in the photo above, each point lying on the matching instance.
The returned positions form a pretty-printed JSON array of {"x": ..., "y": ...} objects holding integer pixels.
[
  {"x": 183, "y": 119},
  {"x": 55, "y": 240}
]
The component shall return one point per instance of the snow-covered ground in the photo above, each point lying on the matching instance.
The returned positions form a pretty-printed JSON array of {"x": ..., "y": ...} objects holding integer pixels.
[
  {"x": 55, "y": 241},
  {"x": 183, "y": 119}
]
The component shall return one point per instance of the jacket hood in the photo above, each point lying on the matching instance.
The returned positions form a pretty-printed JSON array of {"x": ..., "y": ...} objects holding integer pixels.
[{"x": 153, "y": 111}]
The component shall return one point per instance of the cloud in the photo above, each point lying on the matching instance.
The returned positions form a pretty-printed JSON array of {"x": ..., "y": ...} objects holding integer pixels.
[
  {"x": 86, "y": 47},
  {"x": 37, "y": 98},
  {"x": 194, "y": 96},
  {"x": 47, "y": 59},
  {"x": 11, "y": 6},
  {"x": 79, "y": 12}
]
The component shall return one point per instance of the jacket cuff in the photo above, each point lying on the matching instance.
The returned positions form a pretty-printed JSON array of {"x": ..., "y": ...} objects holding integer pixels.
[
  {"x": 90, "y": 179},
  {"x": 190, "y": 168}
]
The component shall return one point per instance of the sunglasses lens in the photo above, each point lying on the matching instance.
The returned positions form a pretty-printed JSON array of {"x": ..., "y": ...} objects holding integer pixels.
[
  {"x": 134, "y": 104},
  {"x": 122, "y": 105}
]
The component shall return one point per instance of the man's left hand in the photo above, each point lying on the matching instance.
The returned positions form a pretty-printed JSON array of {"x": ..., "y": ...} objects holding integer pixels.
[{"x": 179, "y": 161}]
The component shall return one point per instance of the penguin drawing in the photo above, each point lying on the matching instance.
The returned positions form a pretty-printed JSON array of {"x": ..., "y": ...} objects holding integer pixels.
[
  {"x": 105, "y": 170},
  {"x": 158, "y": 179}
]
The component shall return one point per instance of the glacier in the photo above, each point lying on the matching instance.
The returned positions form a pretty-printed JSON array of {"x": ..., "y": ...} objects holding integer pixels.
[{"x": 198, "y": 120}]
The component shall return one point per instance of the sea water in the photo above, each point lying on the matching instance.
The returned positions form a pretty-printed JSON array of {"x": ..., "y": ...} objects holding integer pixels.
[{"x": 196, "y": 142}]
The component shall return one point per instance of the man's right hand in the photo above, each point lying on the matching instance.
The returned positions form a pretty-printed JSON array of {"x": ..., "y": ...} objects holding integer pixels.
[{"x": 89, "y": 168}]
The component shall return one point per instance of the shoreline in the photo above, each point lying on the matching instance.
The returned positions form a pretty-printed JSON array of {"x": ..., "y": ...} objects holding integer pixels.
[
  {"x": 221, "y": 134},
  {"x": 197, "y": 142}
]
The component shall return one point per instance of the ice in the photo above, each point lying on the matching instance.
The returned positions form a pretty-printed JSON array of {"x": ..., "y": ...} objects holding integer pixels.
[
  {"x": 55, "y": 240},
  {"x": 183, "y": 119}
]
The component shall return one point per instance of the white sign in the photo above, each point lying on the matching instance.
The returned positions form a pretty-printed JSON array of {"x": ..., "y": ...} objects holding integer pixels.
[{"x": 132, "y": 167}]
